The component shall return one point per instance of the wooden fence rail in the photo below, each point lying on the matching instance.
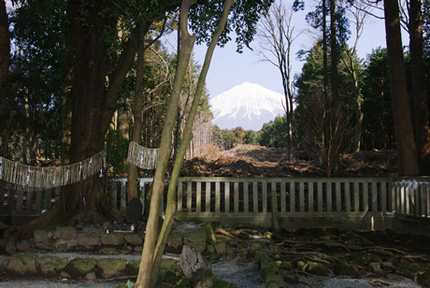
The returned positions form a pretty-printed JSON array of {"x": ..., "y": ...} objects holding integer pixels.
[{"x": 291, "y": 203}]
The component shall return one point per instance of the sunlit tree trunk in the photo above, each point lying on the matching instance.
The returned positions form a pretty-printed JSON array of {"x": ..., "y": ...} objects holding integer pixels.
[
  {"x": 153, "y": 247},
  {"x": 406, "y": 150},
  {"x": 147, "y": 271}
]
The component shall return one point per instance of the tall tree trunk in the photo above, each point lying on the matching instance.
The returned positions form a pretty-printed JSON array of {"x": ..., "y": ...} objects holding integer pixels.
[
  {"x": 333, "y": 152},
  {"x": 359, "y": 115},
  {"x": 92, "y": 111},
  {"x": 4, "y": 51},
  {"x": 419, "y": 87},
  {"x": 4, "y": 69},
  {"x": 137, "y": 112},
  {"x": 327, "y": 100},
  {"x": 406, "y": 150}
]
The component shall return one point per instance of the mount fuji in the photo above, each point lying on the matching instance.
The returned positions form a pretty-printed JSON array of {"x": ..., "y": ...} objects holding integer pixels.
[{"x": 246, "y": 105}]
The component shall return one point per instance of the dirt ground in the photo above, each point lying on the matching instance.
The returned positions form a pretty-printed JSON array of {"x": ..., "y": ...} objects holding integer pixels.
[{"x": 257, "y": 161}]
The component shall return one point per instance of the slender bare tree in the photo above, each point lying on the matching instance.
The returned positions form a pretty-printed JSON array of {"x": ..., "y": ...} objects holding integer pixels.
[
  {"x": 277, "y": 35},
  {"x": 358, "y": 13}
]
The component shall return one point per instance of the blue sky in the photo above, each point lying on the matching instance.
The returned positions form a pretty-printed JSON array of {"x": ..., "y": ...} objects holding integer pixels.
[{"x": 229, "y": 68}]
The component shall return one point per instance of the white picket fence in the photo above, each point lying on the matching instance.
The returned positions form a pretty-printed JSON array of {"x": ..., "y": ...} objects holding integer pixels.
[{"x": 291, "y": 203}]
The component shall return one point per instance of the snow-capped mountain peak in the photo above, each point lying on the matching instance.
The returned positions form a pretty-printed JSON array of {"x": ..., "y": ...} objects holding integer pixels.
[{"x": 247, "y": 105}]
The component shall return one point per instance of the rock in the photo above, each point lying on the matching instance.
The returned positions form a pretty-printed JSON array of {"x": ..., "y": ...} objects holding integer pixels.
[
  {"x": 230, "y": 254},
  {"x": 244, "y": 256},
  {"x": 23, "y": 246},
  {"x": 133, "y": 267},
  {"x": 109, "y": 251},
  {"x": 42, "y": 235},
  {"x": 174, "y": 243},
  {"x": 221, "y": 248},
  {"x": 50, "y": 266},
  {"x": 107, "y": 225},
  {"x": 274, "y": 281},
  {"x": 65, "y": 233},
  {"x": 210, "y": 249},
  {"x": 10, "y": 247},
  {"x": 91, "y": 276},
  {"x": 3, "y": 243},
  {"x": 112, "y": 239},
  {"x": 365, "y": 259},
  {"x": 133, "y": 211},
  {"x": 88, "y": 239},
  {"x": 46, "y": 245},
  {"x": 286, "y": 265},
  {"x": 79, "y": 267},
  {"x": 268, "y": 266},
  {"x": 138, "y": 249},
  {"x": 197, "y": 239},
  {"x": 65, "y": 275},
  {"x": 64, "y": 245},
  {"x": 203, "y": 279},
  {"x": 343, "y": 267},
  {"x": 110, "y": 268},
  {"x": 316, "y": 268},
  {"x": 133, "y": 239},
  {"x": 193, "y": 261},
  {"x": 3, "y": 226},
  {"x": 170, "y": 272},
  {"x": 23, "y": 265},
  {"x": 255, "y": 246},
  {"x": 289, "y": 276}
]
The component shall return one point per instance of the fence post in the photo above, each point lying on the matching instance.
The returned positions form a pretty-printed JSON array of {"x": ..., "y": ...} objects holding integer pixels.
[{"x": 275, "y": 217}]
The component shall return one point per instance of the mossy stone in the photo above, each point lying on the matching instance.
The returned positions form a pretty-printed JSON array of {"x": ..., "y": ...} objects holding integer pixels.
[
  {"x": 79, "y": 267},
  {"x": 343, "y": 267},
  {"x": 268, "y": 266},
  {"x": 316, "y": 268},
  {"x": 274, "y": 281},
  {"x": 170, "y": 272},
  {"x": 365, "y": 259}
]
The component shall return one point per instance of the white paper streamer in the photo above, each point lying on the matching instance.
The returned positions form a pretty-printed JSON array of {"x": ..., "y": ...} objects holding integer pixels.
[
  {"x": 142, "y": 157},
  {"x": 48, "y": 177}
]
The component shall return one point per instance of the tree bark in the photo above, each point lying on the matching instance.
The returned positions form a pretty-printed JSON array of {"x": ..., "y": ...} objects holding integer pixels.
[
  {"x": 92, "y": 111},
  {"x": 419, "y": 87},
  {"x": 186, "y": 139},
  {"x": 146, "y": 269},
  {"x": 406, "y": 150},
  {"x": 151, "y": 256},
  {"x": 4, "y": 51},
  {"x": 137, "y": 112},
  {"x": 333, "y": 149}
]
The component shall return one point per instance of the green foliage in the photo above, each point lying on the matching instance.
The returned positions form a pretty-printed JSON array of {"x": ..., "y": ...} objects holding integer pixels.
[
  {"x": 251, "y": 137},
  {"x": 242, "y": 20},
  {"x": 117, "y": 149},
  {"x": 274, "y": 133},
  {"x": 37, "y": 80},
  {"x": 229, "y": 138},
  {"x": 378, "y": 121}
]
